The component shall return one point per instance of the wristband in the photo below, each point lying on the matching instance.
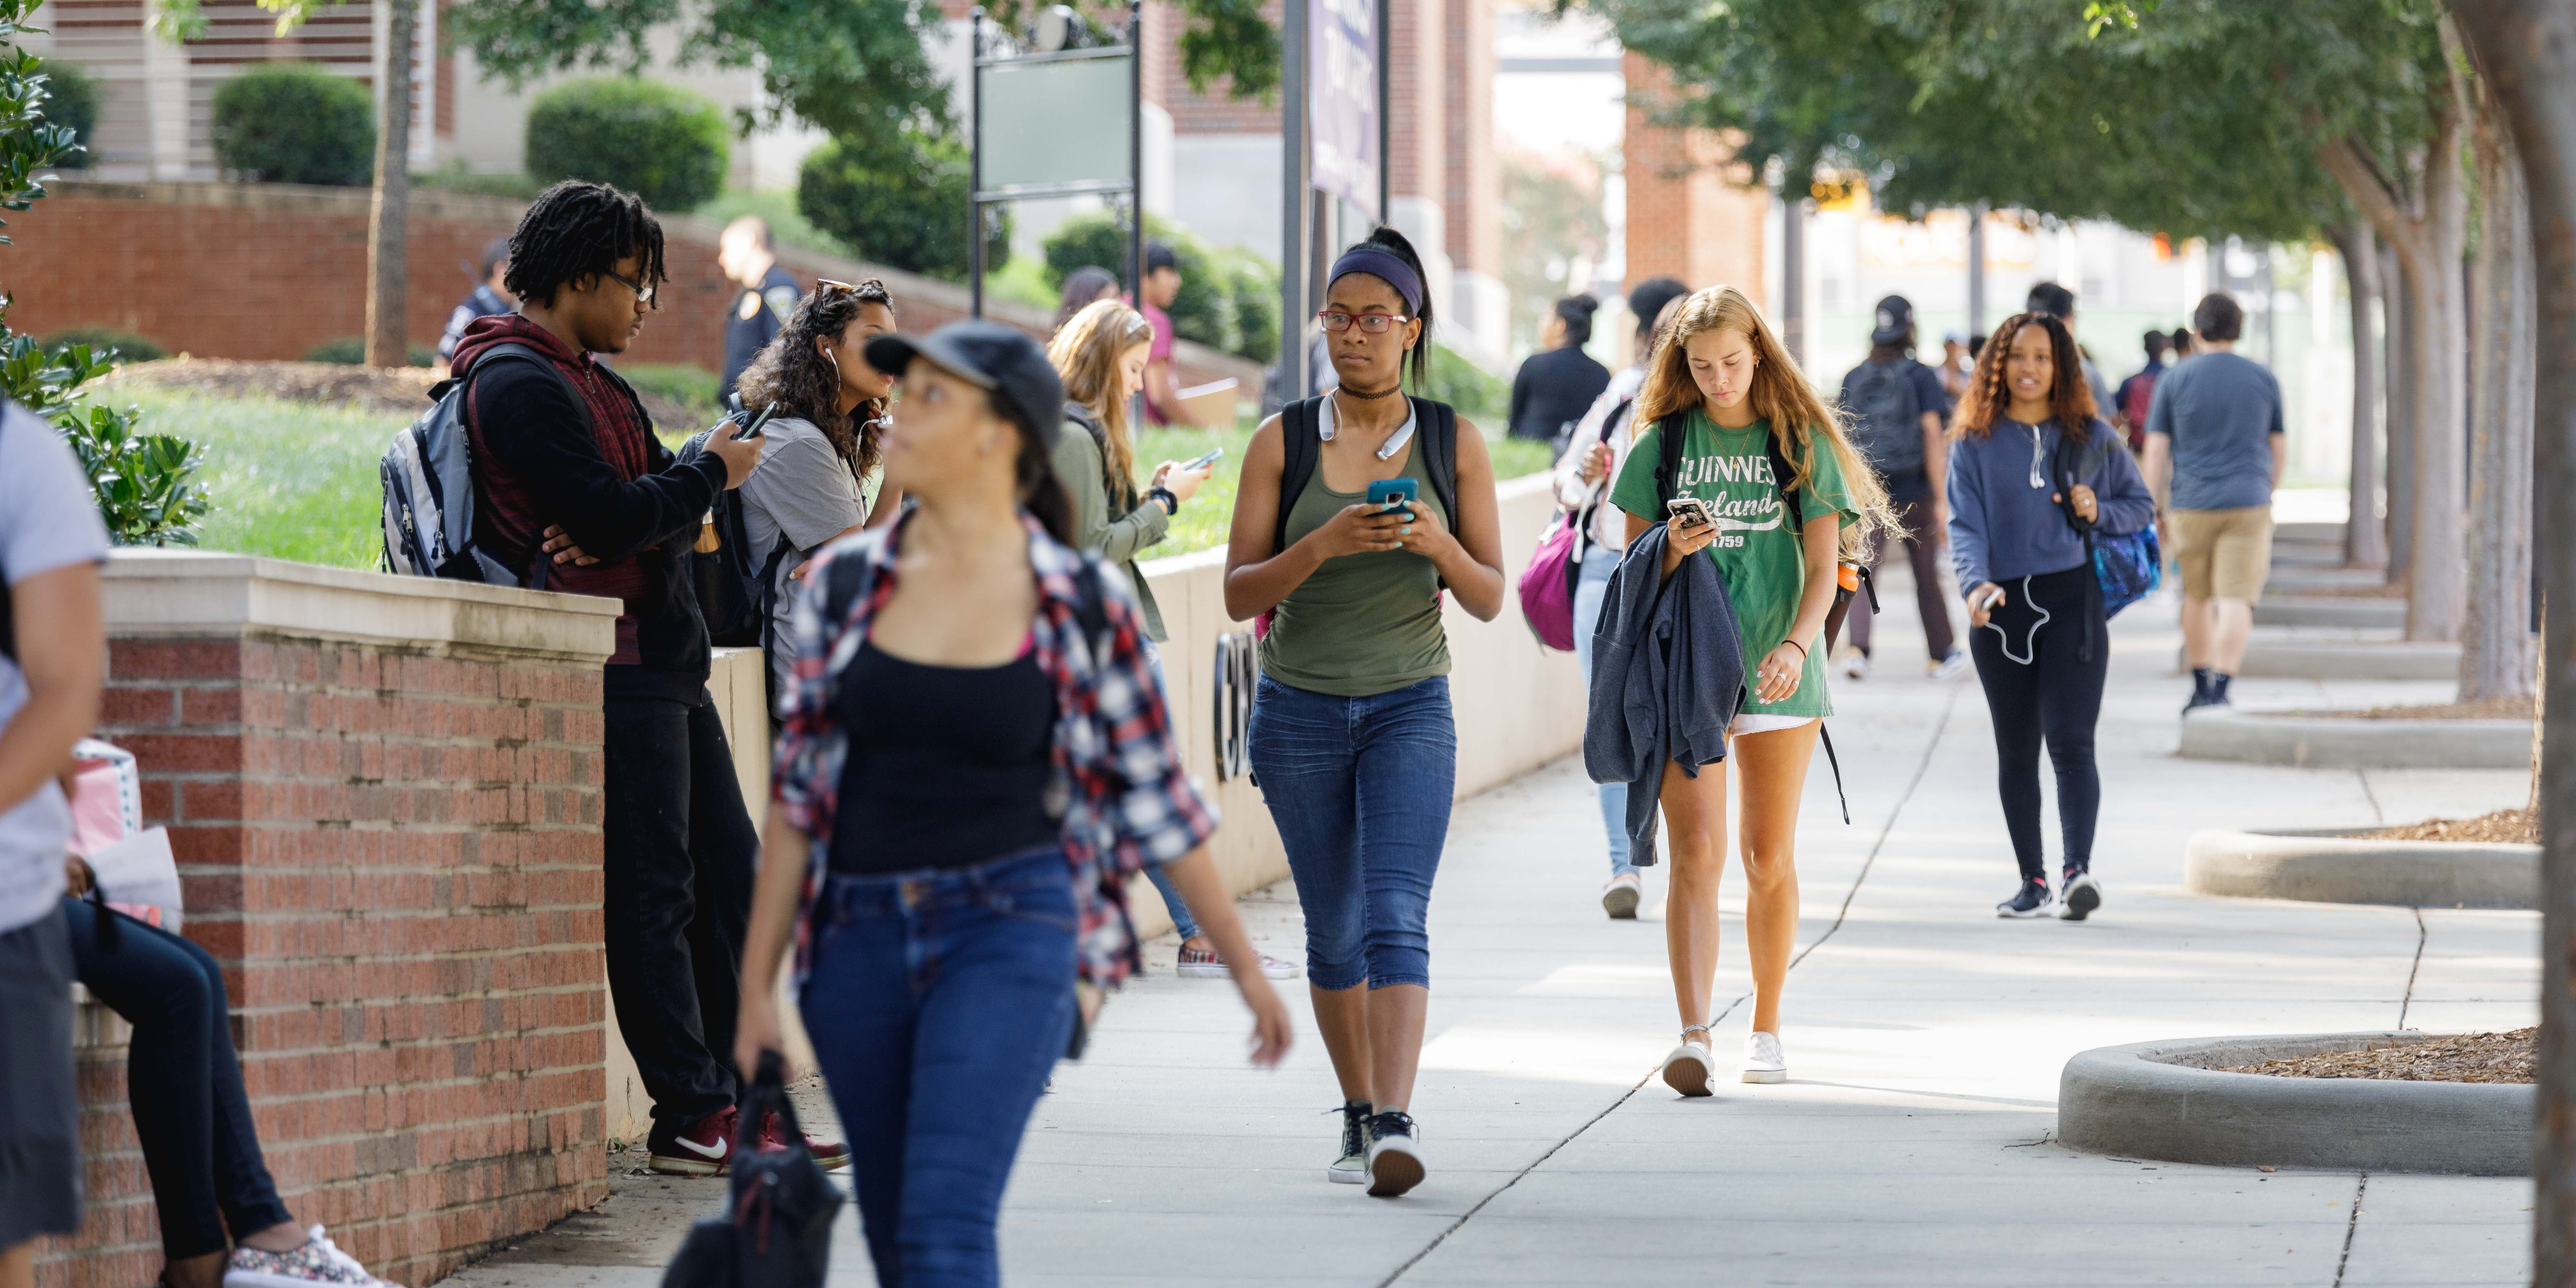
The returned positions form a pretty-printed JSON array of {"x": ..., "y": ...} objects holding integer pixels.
[
  {"x": 1171, "y": 503},
  {"x": 1802, "y": 649}
]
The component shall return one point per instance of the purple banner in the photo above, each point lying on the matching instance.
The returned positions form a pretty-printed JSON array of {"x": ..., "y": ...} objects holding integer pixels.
[{"x": 1341, "y": 93}]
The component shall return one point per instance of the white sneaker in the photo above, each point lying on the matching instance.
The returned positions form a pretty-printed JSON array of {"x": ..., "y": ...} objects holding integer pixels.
[
  {"x": 1855, "y": 663},
  {"x": 1948, "y": 666},
  {"x": 1352, "y": 1167},
  {"x": 1394, "y": 1153},
  {"x": 2083, "y": 895},
  {"x": 1621, "y": 895},
  {"x": 1690, "y": 1067},
  {"x": 1763, "y": 1059},
  {"x": 1205, "y": 964},
  {"x": 319, "y": 1263}
]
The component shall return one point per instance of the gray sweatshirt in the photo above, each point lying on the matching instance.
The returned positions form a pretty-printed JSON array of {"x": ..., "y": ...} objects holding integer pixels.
[
  {"x": 1667, "y": 679},
  {"x": 2001, "y": 527}
]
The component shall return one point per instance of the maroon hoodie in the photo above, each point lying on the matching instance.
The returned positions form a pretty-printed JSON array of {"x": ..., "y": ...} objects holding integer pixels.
[{"x": 574, "y": 447}]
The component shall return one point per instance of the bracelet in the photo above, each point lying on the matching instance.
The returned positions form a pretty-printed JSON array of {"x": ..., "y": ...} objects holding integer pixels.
[
  {"x": 1171, "y": 503},
  {"x": 1802, "y": 649}
]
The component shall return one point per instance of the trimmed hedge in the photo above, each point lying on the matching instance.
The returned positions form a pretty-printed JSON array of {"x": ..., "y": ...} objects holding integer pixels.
[
  {"x": 905, "y": 208},
  {"x": 1229, "y": 298},
  {"x": 295, "y": 123},
  {"x": 352, "y": 352},
  {"x": 126, "y": 346},
  {"x": 663, "y": 143}
]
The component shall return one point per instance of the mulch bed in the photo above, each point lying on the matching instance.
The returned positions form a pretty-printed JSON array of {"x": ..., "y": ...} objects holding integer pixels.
[
  {"x": 2490, "y": 709},
  {"x": 2504, "y": 827},
  {"x": 399, "y": 390},
  {"x": 2474, "y": 1057}
]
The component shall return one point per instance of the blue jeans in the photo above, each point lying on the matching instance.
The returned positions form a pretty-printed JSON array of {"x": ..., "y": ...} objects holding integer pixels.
[
  {"x": 1589, "y": 590},
  {"x": 1360, "y": 789},
  {"x": 1182, "y": 921},
  {"x": 938, "y": 1001}
]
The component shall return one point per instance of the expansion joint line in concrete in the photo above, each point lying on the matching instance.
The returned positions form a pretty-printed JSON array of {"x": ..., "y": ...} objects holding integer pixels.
[
  {"x": 1921, "y": 768},
  {"x": 2376, "y": 813},
  {"x": 2351, "y": 1223},
  {"x": 2413, "y": 968}
]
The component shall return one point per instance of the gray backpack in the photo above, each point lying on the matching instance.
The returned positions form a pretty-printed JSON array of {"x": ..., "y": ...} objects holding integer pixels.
[
  {"x": 1886, "y": 419},
  {"x": 429, "y": 489}
]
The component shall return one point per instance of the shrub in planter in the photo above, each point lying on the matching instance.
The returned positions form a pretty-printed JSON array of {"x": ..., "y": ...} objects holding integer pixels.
[
  {"x": 352, "y": 352},
  {"x": 660, "y": 142},
  {"x": 900, "y": 206},
  {"x": 126, "y": 346},
  {"x": 71, "y": 98},
  {"x": 1204, "y": 310},
  {"x": 295, "y": 123},
  {"x": 1253, "y": 288}
]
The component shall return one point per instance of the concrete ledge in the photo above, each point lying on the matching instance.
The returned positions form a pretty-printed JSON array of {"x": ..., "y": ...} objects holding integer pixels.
[
  {"x": 2310, "y": 533},
  {"x": 2167, "y": 1101},
  {"x": 2327, "y": 742},
  {"x": 2353, "y": 612},
  {"x": 2313, "y": 659},
  {"x": 196, "y": 592},
  {"x": 2334, "y": 867},
  {"x": 2291, "y": 580}
]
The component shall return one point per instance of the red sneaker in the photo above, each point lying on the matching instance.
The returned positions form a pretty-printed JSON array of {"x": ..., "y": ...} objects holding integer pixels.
[
  {"x": 832, "y": 1154},
  {"x": 703, "y": 1148}
]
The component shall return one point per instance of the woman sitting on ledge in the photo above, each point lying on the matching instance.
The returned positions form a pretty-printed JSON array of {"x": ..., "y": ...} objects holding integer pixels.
[{"x": 190, "y": 1112}]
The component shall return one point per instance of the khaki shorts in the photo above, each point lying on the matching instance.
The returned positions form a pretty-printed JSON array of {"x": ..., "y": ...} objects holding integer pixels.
[{"x": 2225, "y": 554}]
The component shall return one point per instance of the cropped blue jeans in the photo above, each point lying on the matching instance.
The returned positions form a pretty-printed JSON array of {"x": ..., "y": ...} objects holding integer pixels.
[{"x": 1360, "y": 789}]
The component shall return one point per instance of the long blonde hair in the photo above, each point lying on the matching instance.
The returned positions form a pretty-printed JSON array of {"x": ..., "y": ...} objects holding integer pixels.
[
  {"x": 1780, "y": 394},
  {"x": 1085, "y": 353}
]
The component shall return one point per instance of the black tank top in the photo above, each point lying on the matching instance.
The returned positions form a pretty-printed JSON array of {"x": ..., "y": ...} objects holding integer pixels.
[{"x": 947, "y": 765}]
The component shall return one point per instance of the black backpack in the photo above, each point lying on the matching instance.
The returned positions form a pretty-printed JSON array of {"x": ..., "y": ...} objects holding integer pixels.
[
  {"x": 737, "y": 587},
  {"x": 1887, "y": 421},
  {"x": 1435, "y": 427},
  {"x": 777, "y": 1228}
]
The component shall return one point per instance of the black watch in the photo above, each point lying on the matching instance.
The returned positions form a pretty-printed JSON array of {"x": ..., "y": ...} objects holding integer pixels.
[{"x": 1171, "y": 503}]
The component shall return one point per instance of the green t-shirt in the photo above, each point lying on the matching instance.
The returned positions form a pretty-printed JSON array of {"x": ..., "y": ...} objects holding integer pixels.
[{"x": 1757, "y": 549}]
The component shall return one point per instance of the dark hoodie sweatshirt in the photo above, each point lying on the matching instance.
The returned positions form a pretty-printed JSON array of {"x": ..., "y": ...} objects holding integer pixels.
[{"x": 575, "y": 448}]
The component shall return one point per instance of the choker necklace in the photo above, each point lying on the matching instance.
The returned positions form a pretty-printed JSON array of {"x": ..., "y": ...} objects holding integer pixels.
[{"x": 1371, "y": 397}]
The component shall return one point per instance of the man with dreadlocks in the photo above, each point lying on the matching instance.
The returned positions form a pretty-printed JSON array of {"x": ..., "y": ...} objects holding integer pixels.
[{"x": 567, "y": 470}]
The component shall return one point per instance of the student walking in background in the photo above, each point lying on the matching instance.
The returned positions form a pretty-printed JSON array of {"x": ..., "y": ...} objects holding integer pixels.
[
  {"x": 1083, "y": 287},
  {"x": 567, "y": 470},
  {"x": 490, "y": 298},
  {"x": 761, "y": 308},
  {"x": 2035, "y": 619},
  {"x": 2059, "y": 303},
  {"x": 52, "y": 542},
  {"x": 975, "y": 761},
  {"x": 2215, "y": 450},
  {"x": 1725, "y": 410},
  {"x": 1583, "y": 471},
  {"x": 1162, "y": 285},
  {"x": 1100, "y": 353},
  {"x": 819, "y": 452},
  {"x": 1556, "y": 384},
  {"x": 1897, "y": 409},
  {"x": 2137, "y": 394},
  {"x": 1352, "y": 739}
]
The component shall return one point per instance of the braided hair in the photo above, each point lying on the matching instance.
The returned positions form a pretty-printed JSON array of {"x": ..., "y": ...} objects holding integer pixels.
[
  {"x": 793, "y": 373},
  {"x": 576, "y": 230}
]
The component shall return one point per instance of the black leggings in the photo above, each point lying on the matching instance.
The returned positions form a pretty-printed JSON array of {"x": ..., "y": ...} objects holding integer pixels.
[
  {"x": 183, "y": 1081},
  {"x": 2039, "y": 688}
]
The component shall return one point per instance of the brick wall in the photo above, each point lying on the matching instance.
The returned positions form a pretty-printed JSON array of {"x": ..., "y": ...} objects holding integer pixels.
[
  {"x": 1691, "y": 213},
  {"x": 1473, "y": 196},
  {"x": 268, "y": 271},
  {"x": 383, "y": 796}
]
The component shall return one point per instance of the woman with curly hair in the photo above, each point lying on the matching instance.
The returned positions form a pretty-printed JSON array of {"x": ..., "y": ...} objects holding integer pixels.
[
  {"x": 822, "y": 446},
  {"x": 2026, "y": 428},
  {"x": 1722, "y": 381}
]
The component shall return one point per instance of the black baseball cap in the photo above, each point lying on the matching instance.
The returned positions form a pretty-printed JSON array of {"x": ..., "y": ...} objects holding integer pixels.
[
  {"x": 990, "y": 356},
  {"x": 1895, "y": 318}
]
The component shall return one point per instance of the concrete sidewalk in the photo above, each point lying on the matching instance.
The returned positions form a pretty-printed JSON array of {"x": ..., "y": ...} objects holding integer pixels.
[{"x": 1913, "y": 1144}]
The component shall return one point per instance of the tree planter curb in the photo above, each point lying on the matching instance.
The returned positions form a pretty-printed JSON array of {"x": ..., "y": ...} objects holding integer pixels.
[
  {"x": 2334, "y": 867},
  {"x": 2291, "y": 579},
  {"x": 2299, "y": 659},
  {"x": 2330, "y": 742},
  {"x": 2168, "y": 1101},
  {"x": 2351, "y": 612}
]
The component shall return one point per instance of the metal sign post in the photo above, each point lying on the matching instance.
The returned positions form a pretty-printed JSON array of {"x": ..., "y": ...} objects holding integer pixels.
[
  {"x": 1066, "y": 108},
  {"x": 1333, "y": 133}
]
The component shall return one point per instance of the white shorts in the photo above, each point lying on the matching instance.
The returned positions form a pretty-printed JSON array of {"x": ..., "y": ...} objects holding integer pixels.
[{"x": 1749, "y": 723}]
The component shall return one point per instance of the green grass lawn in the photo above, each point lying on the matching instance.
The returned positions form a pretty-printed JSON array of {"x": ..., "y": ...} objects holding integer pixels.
[{"x": 298, "y": 481}]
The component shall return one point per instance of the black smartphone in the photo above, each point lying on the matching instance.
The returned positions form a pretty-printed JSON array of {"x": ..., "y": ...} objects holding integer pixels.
[{"x": 752, "y": 429}]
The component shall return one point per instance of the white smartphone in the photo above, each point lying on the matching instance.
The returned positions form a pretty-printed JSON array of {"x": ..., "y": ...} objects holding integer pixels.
[{"x": 1692, "y": 511}]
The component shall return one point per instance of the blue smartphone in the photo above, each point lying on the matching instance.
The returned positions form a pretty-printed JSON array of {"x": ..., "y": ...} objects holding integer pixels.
[{"x": 1386, "y": 494}]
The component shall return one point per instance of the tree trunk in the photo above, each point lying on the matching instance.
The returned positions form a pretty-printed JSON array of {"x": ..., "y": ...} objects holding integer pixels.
[
  {"x": 2365, "y": 543},
  {"x": 2399, "y": 474},
  {"x": 390, "y": 210},
  {"x": 2495, "y": 639},
  {"x": 2528, "y": 51}
]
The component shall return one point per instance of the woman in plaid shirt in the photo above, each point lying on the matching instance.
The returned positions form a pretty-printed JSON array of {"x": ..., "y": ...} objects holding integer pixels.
[{"x": 976, "y": 759}]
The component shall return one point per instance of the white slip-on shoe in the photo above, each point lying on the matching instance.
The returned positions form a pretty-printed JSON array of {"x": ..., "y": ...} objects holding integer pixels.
[
  {"x": 1394, "y": 1154},
  {"x": 1690, "y": 1067},
  {"x": 1352, "y": 1167},
  {"x": 1621, "y": 895},
  {"x": 1763, "y": 1059}
]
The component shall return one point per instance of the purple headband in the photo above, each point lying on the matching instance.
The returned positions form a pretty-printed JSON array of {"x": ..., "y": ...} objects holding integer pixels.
[{"x": 1378, "y": 261}]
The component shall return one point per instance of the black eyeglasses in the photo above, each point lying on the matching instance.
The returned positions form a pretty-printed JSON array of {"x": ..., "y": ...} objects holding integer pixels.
[
  {"x": 1373, "y": 323},
  {"x": 642, "y": 292}
]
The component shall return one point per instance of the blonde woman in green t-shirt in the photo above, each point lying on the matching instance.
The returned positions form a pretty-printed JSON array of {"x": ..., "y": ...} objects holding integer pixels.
[{"x": 1720, "y": 378}]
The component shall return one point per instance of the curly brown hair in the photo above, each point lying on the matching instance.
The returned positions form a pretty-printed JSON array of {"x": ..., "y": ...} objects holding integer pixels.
[
  {"x": 2070, "y": 398},
  {"x": 792, "y": 372}
]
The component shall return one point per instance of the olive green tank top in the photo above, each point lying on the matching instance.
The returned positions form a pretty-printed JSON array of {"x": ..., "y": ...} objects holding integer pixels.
[{"x": 1363, "y": 624}]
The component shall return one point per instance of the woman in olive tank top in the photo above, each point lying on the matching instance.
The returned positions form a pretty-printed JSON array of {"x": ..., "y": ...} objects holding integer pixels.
[{"x": 1352, "y": 740}]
